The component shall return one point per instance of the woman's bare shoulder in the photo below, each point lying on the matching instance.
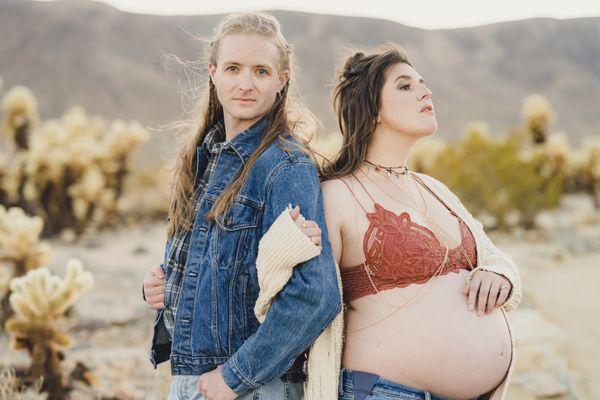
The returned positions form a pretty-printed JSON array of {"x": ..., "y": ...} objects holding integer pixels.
[
  {"x": 336, "y": 196},
  {"x": 335, "y": 188}
]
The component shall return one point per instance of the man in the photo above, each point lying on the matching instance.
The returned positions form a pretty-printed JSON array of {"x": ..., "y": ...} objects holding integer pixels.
[{"x": 239, "y": 171}]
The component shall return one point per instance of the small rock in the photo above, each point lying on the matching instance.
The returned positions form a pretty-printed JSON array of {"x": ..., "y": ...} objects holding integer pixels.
[
  {"x": 92, "y": 242},
  {"x": 140, "y": 250}
]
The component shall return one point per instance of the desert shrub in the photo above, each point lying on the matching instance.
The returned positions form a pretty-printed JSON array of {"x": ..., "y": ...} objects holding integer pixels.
[{"x": 490, "y": 176}]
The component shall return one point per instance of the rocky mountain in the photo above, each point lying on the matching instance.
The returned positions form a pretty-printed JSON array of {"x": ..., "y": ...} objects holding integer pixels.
[{"x": 115, "y": 63}]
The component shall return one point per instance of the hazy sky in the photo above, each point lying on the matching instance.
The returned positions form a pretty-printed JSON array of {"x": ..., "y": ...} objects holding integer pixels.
[{"x": 429, "y": 14}]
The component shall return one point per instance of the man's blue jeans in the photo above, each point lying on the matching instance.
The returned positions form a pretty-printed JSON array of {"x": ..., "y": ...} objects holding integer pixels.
[{"x": 183, "y": 387}]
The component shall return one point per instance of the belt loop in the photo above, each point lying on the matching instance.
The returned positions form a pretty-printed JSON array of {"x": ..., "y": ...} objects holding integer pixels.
[{"x": 427, "y": 396}]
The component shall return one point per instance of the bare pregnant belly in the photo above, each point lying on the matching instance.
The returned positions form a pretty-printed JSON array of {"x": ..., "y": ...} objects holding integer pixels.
[{"x": 436, "y": 344}]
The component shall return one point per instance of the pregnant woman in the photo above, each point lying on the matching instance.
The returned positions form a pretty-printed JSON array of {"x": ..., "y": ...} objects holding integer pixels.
[{"x": 425, "y": 288}]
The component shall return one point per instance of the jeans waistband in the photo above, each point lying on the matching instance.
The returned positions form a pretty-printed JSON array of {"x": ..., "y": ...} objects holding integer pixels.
[{"x": 360, "y": 384}]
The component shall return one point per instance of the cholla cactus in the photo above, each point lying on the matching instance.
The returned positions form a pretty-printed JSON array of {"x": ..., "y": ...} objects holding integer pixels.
[
  {"x": 585, "y": 163},
  {"x": 75, "y": 168},
  {"x": 20, "y": 240},
  {"x": 40, "y": 301},
  {"x": 538, "y": 115},
  {"x": 146, "y": 193},
  {"x": 20, "y": 250},
  {"x": 21, "y": 116},
  {"x": 116, "y": 144},
  {"x": 6, "y": 274},
  {"x": 71, "y": 170},
  {"x": 3, "y": 169}
]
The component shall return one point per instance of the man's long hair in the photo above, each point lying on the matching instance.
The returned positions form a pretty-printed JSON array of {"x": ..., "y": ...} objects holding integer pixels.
[{"x": 286, "y": 115}]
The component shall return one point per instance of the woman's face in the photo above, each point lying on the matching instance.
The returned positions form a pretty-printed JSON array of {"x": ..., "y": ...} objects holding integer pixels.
[{"x": 406, "y": 105}]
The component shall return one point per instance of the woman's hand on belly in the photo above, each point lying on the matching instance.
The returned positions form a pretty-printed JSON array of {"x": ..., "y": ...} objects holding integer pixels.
[{"x": 486, "y": 291}]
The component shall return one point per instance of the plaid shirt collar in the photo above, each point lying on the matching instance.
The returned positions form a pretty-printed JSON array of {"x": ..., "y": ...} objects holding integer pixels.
[
  {"x": 244, "y": 144},
  {"x": 214, "y": 139}
]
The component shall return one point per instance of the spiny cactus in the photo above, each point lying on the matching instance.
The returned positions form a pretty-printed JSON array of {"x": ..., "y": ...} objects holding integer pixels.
[
  {"x": 538, "y": 115},
  {"x": 40, "y": 301},
  {"x": 5, "y": 277},
  {"x": 73, "y": 171},
  {"x": 585, "y": 162},
  {"x": 21, "y": 110},
  {"x": 20, "y": 249},
  {"x": 3, "y": 167}
]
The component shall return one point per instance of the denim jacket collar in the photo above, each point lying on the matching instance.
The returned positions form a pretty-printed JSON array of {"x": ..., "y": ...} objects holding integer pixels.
[
  {"x": 243, "y": 144},
  {"x": 246, "y": 142}
]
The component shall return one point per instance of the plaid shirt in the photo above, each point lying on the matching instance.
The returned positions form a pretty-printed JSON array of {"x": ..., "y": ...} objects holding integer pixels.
[{"x": 212, "y": 145}]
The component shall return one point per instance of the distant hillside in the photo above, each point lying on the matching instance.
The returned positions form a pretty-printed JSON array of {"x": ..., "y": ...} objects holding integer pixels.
[{"x": 111, "y": 62}]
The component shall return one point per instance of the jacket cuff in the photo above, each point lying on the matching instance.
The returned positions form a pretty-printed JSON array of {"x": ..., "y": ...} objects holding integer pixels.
[
  {"x": 515, "y": 295},
  {"x": 235, "y": 379}
]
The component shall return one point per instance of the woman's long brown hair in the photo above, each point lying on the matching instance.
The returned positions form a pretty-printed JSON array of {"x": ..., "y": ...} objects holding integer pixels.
[
  {"x": 286, "y": 115},
  {"x": 357, "y": 101}
]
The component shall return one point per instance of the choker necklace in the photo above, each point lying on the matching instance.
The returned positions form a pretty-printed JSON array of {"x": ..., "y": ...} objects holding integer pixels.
[{"x": 390, "y": 170}]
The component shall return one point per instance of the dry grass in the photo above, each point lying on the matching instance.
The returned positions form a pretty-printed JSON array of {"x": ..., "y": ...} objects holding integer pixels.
[{"x": 9, "y": 388}]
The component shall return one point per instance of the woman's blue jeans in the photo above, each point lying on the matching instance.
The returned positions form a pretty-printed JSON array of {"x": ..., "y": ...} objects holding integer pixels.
[{"x": 359, "y": 385}]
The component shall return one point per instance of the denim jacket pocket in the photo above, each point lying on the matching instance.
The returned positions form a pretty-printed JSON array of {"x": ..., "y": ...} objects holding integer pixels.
[{"x": 235, "y": 229}]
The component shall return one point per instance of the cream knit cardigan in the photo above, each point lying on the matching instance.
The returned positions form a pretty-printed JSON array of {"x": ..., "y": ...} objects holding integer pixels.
[{"x": 284, "y": 246}]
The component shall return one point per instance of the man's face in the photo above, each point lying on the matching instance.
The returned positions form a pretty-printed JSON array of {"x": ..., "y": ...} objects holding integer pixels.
[{"x": 247, "y": 76}]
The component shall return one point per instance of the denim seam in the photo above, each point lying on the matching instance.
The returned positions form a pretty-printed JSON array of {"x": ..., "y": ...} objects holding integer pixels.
[
  {"x": 241, "y": 376},
  {"x": 277, "y": 169}
]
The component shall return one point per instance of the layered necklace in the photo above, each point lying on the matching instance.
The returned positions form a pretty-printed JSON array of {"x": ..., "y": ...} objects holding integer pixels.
[{"x": 397, "y": 171}]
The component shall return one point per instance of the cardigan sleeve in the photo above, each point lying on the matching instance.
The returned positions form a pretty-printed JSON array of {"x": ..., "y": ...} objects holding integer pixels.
[
  {"x": 493, "y": 259},
  {"x": 280, "y": 249}
]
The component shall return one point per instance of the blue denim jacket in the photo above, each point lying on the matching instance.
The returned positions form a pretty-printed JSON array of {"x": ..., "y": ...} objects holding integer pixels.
[{"x": 215, "y": 322}]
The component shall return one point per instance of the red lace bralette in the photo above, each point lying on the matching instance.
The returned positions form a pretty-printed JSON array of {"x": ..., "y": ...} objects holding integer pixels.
[{"x": 400, "y": 252}]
